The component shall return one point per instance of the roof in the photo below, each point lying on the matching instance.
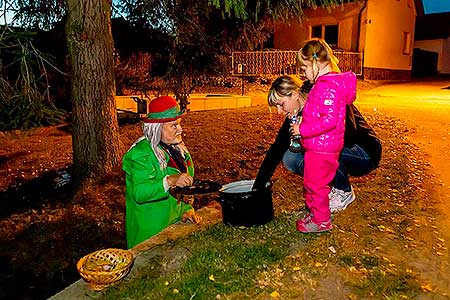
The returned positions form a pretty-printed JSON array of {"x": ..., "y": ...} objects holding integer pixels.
[{"x": 432, "y": 26}]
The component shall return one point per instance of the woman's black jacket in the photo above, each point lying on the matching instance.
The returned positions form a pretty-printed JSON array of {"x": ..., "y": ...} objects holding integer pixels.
[{"x": 357, "y": 131}]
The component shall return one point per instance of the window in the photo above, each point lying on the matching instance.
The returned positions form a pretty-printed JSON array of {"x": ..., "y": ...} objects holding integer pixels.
[
  {"x": 406, "y": 43},
  {"x": 316, "y": 31},
  {"x": 327, "y": 32},
  {"x": 331, "y": 34}
]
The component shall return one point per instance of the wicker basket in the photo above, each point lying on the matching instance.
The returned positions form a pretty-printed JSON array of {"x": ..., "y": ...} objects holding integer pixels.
[{"x": 105, "y": 267}]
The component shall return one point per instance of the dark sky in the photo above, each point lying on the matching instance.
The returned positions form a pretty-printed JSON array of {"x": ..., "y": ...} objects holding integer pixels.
[{"x": 436, "y": 6}]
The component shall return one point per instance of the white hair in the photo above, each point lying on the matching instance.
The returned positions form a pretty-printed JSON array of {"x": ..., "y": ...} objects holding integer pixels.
[{"x": 152, "y": 133}]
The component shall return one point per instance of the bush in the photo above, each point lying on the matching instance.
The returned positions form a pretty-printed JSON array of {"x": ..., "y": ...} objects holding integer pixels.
[
  {"x": 25, "y": 108},
  {"x": 24, "y": 87}
]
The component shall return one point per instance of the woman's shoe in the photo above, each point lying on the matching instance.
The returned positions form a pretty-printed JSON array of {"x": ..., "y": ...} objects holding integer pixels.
[{"x": 339, "y": 200}]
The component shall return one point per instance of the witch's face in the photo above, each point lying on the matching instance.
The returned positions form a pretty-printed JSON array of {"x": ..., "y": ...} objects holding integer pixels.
[{"x": 171, "y": 132}]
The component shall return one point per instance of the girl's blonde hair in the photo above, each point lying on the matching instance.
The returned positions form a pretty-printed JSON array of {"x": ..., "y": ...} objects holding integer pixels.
[
  {"x": 317, "y": 50},
  {"x": 283, "y": 86}
]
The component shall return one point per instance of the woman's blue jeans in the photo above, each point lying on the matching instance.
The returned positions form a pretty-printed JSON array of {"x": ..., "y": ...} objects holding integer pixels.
[{"x": 352, "y": 161}]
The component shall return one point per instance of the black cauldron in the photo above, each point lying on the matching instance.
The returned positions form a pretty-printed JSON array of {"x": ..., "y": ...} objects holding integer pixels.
[{"x": 243, "y": 207}]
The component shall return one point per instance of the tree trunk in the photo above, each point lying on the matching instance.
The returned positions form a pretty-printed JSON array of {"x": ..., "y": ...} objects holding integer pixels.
[{"x": 95, "y": 138}]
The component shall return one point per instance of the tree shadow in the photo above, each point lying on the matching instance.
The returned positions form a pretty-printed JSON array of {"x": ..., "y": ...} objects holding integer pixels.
[
  {"x": 4, "y": 158},
  {"x": 41, "y": 260},
  {"x": 47, "y": 189}
]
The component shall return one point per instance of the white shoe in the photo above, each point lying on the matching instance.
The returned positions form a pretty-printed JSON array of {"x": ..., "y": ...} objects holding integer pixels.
[{"x": 339, "y": 200}]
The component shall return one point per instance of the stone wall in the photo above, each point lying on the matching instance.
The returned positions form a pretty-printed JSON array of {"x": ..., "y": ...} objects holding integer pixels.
[{"x": 386, "y": 74}]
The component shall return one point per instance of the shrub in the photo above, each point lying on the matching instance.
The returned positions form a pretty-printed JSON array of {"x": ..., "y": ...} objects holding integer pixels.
[
  {"x": 24, "y": 87},
  {"x": 25, "y": 108}
]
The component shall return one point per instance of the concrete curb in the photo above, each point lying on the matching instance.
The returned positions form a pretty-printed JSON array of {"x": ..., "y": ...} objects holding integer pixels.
[{"x": 211, "y": 215}]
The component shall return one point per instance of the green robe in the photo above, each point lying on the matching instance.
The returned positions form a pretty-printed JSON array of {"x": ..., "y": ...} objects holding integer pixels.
[{"x": 149, "y": 209}]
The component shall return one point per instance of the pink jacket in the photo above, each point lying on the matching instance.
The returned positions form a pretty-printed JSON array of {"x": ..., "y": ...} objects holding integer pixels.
[{"x": 323, "y": 117}]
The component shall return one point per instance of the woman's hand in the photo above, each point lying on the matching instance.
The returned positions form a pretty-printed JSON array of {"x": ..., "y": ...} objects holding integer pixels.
[{"x": 180, "y": 180}]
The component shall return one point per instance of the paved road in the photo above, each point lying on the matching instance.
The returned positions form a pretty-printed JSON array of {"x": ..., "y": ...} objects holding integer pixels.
[{"x": 425, "y": 108}]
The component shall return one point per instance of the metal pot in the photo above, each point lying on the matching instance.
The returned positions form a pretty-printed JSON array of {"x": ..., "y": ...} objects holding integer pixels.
[{"x": 243, "y": 207}]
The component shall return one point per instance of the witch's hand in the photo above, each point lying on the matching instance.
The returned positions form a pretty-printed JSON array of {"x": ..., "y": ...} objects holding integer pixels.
[
  {"x": 180, "y": 180},
  {"x": 192, "y": 216}
]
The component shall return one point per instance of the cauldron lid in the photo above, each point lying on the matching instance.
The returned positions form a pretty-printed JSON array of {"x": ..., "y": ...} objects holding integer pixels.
[{"x": 198, "y": 187}]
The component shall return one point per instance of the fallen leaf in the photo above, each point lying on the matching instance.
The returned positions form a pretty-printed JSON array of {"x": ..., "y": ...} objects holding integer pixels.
[
  {"x": 275, "y": 294},
  {"x": 427, "y": 287},
  {"x": 296, "y": 268},
  {"x": 389, "y": 230}
]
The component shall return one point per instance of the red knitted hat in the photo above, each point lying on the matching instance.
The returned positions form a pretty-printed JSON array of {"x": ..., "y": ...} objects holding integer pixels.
[{"x": 163, "y": 109}]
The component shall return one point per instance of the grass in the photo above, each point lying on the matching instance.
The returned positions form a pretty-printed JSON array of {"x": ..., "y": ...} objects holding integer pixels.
[
  {"x": 366, "y": 256},
  {"x": 222, "y": 260},
  {"x": 249, "y": 263},
  {"x": 390, "y": 285}
]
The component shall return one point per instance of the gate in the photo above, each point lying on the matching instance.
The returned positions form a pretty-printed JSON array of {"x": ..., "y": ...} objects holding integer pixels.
[{"x": 278, "y": 62}]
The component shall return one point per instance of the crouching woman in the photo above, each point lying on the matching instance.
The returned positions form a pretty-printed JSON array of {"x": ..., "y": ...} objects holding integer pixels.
[{"x": 156, "y": 162}]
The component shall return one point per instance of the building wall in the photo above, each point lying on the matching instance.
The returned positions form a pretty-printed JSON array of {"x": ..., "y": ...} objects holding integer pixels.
[
  {"x": 362, "y": 33},
  {"x": 442, "y": 48},
  {"x": 292, "y": 35},
  {"x": 386, "y": 23},
  {"x": 347, "y": 34},
  {"x": 385, "y": 26},
  {"x": 445, "y": 66}
]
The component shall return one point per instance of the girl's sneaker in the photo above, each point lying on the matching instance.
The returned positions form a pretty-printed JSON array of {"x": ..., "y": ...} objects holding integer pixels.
[
  {"x": 306, "y": 218},
  {"x": 311, "y": 227}
]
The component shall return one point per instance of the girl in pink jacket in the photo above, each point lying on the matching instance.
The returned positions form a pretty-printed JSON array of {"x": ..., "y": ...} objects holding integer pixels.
[{"x": 322, "y": 129}]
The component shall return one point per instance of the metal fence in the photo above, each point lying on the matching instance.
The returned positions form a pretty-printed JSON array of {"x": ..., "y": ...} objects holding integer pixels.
[{"x": 255, "y": 63}]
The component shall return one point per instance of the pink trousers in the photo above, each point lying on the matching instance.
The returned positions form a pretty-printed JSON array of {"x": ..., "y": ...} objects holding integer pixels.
[{"x": 320, "y": 169}]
